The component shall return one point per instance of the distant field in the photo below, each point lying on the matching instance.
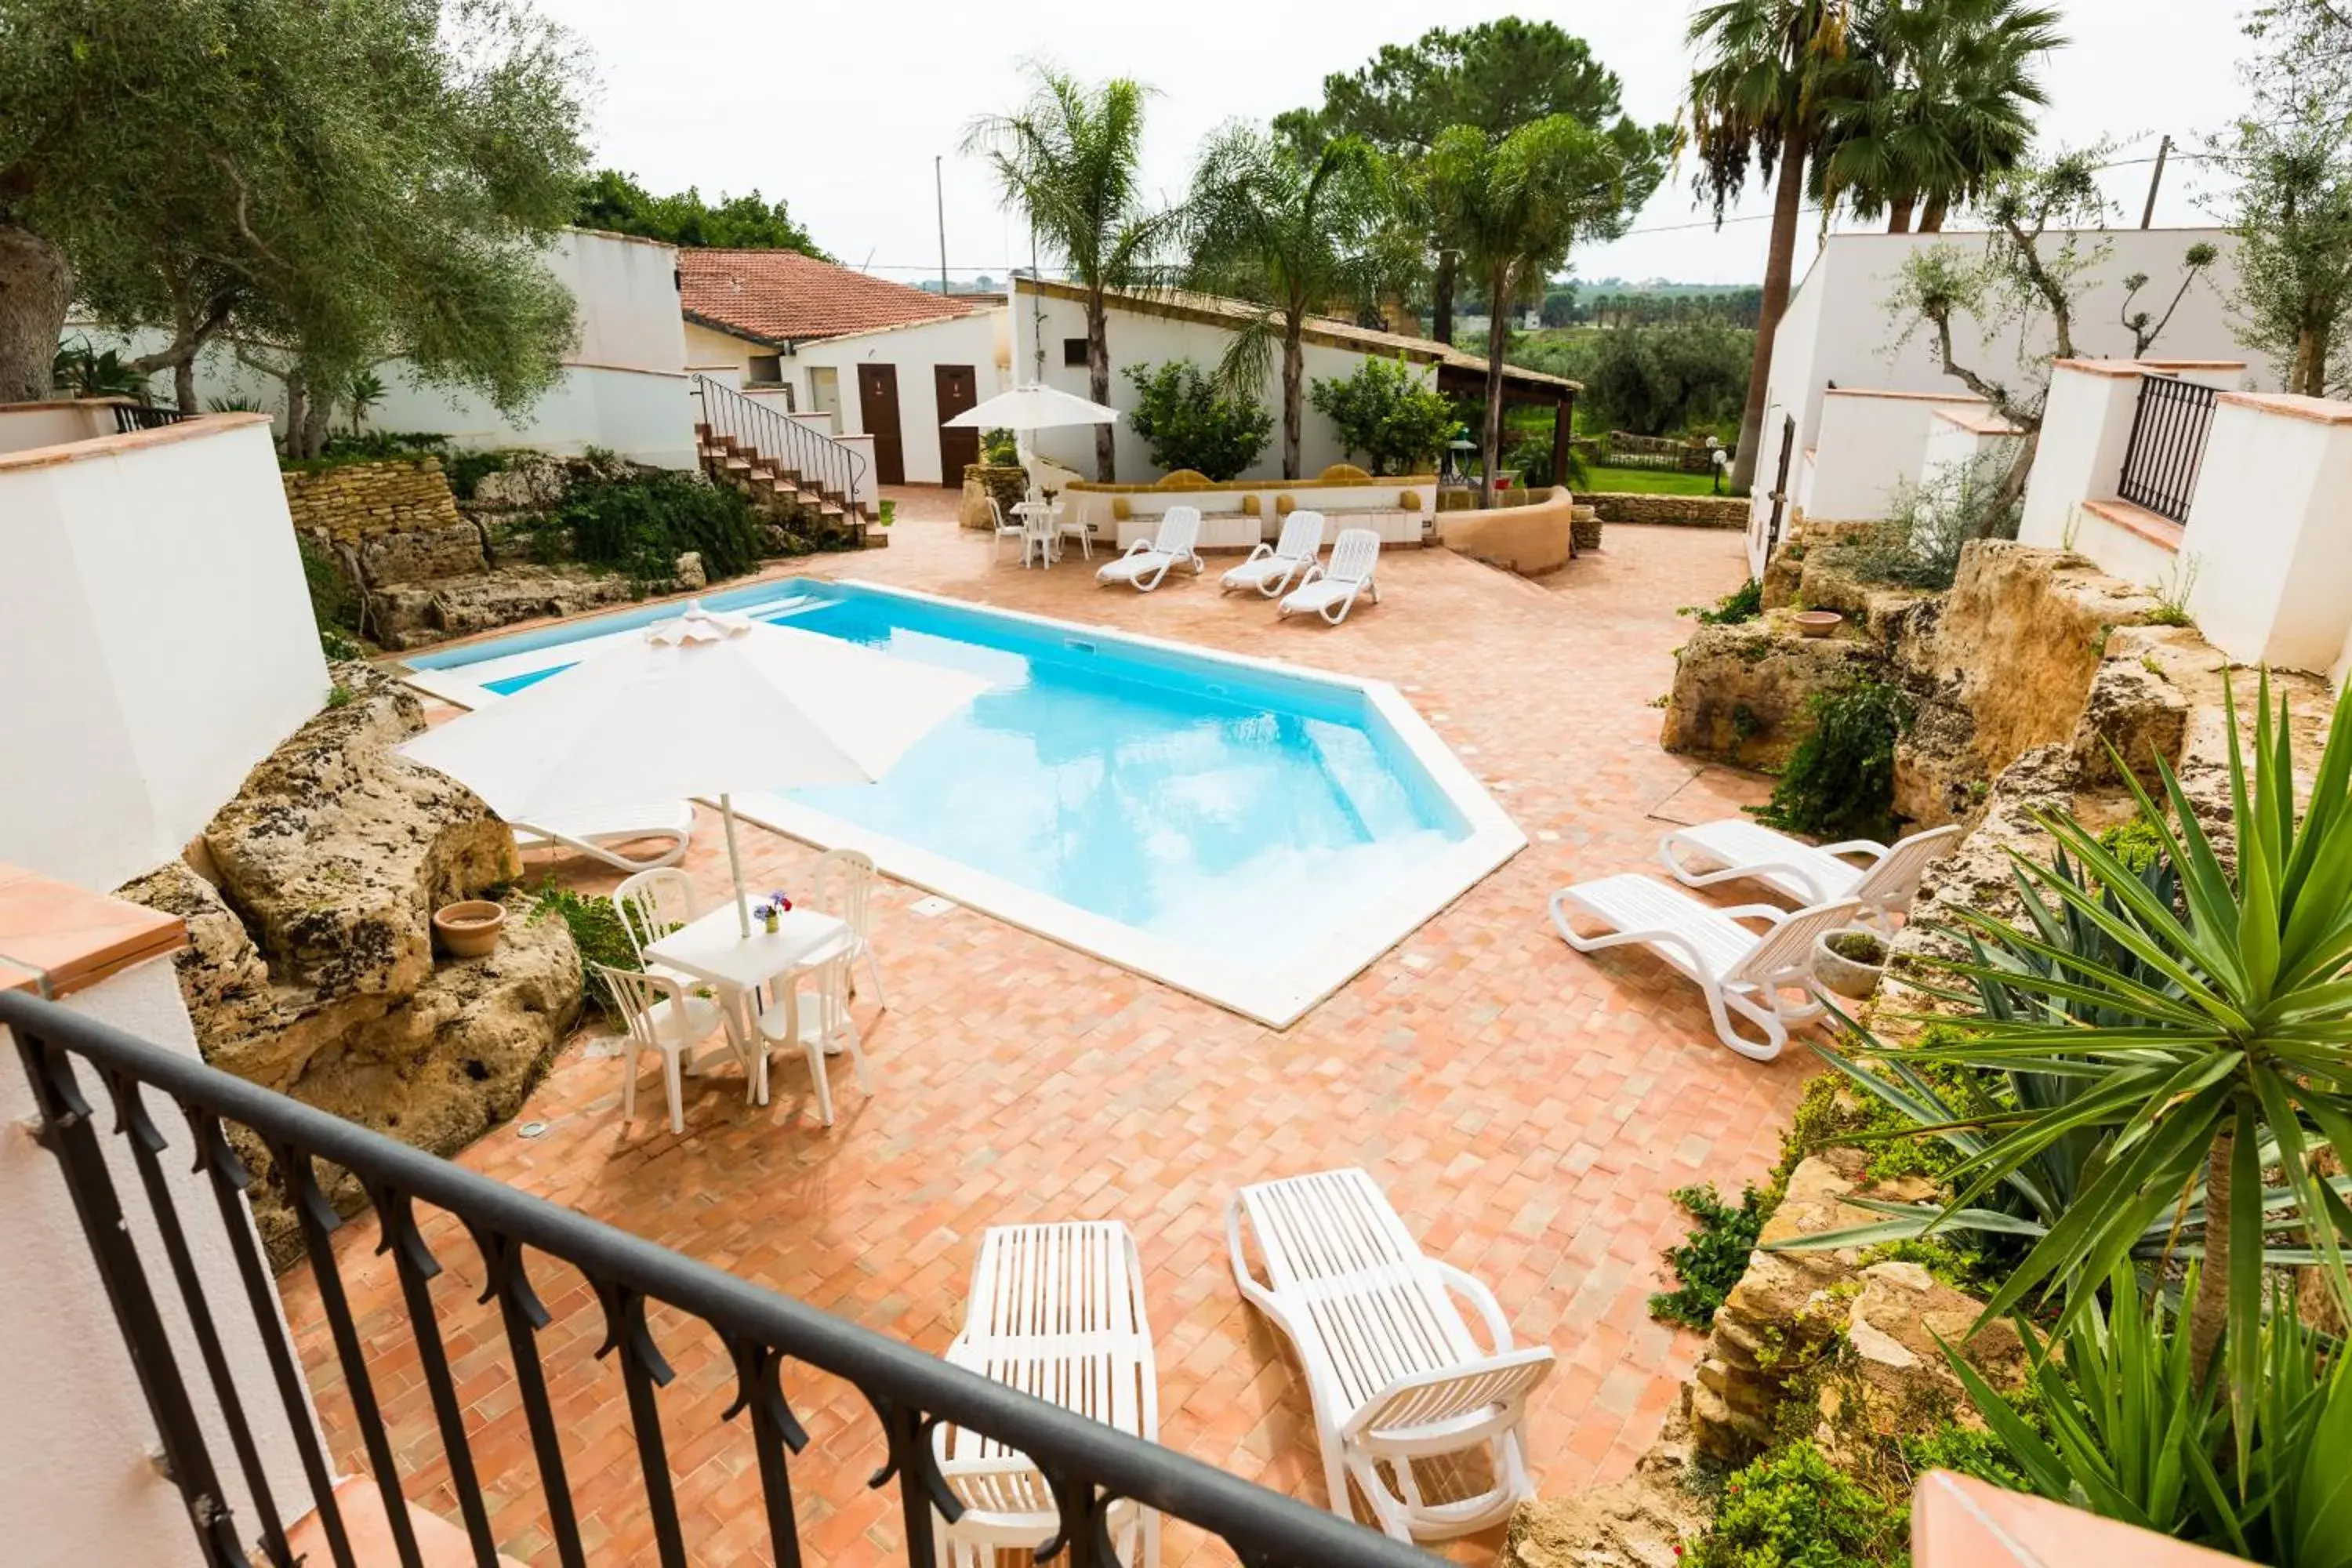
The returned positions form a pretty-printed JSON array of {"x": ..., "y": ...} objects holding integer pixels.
[{"x": 1650, "y": 482}]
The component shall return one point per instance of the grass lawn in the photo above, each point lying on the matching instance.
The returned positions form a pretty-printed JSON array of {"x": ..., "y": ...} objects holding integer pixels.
[{"x": 1650, "y": 482}]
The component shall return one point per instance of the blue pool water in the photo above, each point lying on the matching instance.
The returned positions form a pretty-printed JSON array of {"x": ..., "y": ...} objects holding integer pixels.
[{"x": 1235, "y": 811}]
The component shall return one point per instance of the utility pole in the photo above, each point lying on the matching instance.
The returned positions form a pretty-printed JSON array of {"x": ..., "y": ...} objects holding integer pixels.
[
  {"x": 939, "y": 195},
  {"x": 2147, "y": 214}
]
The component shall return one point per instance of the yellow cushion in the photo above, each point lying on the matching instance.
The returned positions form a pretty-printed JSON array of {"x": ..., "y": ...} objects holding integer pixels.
[
  {"x": 1343, "y": 474},
  {"x": 1120, "y": 508},
  {"x": 1410, "y": 501},
  {"x": 1185, "y": 479},
  {"x": 1249, "y": 506},
  {"x": 1284, "y": 505}
]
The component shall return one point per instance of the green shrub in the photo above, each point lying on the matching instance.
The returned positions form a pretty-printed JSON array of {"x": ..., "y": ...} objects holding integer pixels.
[
  {"x": 1384, "y": 412},
  {"x": 2137, "y": 843},
  {"x": 466, "y": 470},
  {"x": 1840, "y": 781},
  {"x": 1920, "y": 544},
  {"x": 1791, "y": 1508},
  {"x": 1712, "y": 1259},
  {"x": 643, "y": 523},
  {"x": 596, "y": 932},
  {"x": 1744, "y": 603},
  {"x": 1189, "y": 424},
  {"x": 339, "y": 646},
  {"x": 335, "y": 602},
  {"x": 999, "y": 448}
]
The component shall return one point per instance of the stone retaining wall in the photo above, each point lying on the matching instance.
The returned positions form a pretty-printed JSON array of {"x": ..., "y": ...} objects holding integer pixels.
[
  {"x": 356, "y": 500},
  {"x": 1680, "y": 512}
]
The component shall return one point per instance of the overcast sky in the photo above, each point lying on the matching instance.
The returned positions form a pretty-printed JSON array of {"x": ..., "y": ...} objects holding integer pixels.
[{"x": 839, "y": 109}]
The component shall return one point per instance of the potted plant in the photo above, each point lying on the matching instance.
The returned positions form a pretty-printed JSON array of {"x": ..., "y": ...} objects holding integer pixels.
[
  {"x": 469, "y": 928},
  {"x": 769, "y": 911},
  {"x": 1850, "y": 961}
]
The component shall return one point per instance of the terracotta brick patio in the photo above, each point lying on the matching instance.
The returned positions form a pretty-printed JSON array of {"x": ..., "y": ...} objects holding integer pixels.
[{"x": 1528, "y": 1110}]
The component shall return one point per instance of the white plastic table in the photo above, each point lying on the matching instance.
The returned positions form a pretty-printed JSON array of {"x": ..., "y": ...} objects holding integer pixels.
[
  {"x": 714, "y": 949},
  {"x": 1040, "y": 521}
]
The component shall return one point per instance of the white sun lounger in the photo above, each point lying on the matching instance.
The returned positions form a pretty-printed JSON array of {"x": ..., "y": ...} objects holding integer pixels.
[
  {"x": 1394, "y": 1373},
  {"x": 1057, "y": 1311},
  {"x": 1270, "y": 568},
  {"x": 1716, "y": 852},
  {"x": 1330, "y": 591},
  {"x": 1146, "y": 562},
  {"x": 598, "y": 834},
  {"x": 1740, "y": 971}
]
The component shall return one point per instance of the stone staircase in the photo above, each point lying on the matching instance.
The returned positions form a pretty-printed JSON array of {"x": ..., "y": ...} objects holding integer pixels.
[{"x": 799, "y": 478}]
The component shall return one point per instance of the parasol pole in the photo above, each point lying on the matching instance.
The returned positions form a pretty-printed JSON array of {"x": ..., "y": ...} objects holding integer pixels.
[{"x": 735, "y": 865}]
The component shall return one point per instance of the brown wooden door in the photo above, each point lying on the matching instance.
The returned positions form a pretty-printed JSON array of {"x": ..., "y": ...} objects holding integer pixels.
[
  {"x": 877, "y": 411},
  {"x": 958, "y": 386}
]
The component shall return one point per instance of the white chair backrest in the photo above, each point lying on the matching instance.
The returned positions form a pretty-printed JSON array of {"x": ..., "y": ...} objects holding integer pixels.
[
  {"x": 1450, "y": 1395},
  {"x": 1302, "y": 537},
  {"x": 997, "y": 511},
  {"x": 842, "y": 883},
  {"x": 1037, "y": 522},
  {"x": 1353, "y": 556},
  {"x": 652, "y": 903},
  {"x": 1895, "y": 878},
  {"x": 824, "y": 994},
  {"x": 638, "y": 996},
  {"x": 1788, "y": 948},
  {"x": 1177, "y": 531}
]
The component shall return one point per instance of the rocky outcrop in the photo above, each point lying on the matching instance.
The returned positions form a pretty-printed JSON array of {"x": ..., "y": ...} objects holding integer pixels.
[
  {"x": 1007, "y": 482},
  {"x": 1638, "y": 1522},
  {"x": 1892, "y": 1378},
  {"x": 310, "y": 968},
  {"x": 1742, "y": 692},
  {"x": 417, "y": 615}
]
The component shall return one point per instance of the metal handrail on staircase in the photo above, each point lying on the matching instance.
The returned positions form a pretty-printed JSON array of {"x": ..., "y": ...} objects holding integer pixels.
[{"x": 815, "y": 461}]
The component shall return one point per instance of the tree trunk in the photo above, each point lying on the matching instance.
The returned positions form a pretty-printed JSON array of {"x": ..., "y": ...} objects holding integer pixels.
[
  {"x": 2308, "y": 375},
  {"x": 1932, "y": 220},
  {"x": 1293, "y": 390},
  {"x": 1898, "y": 216},
  {"x": 1440, "y": 290},
  {"x": 1098, "y": 384},
  {"x": 36, "y": 291},
  {"x": 319, "y": 424},
  {"x": 2209, "y": 1312},
  {"x": 297, "y": 411},
  {"x": 183, "y": 385},
  {"x": 1490, "y": 447},
  {"x": 1777, "y": 264}
]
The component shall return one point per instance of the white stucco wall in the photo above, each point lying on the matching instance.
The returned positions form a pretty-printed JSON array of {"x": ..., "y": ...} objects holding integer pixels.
[
  {"x": 2085, "y": 429},
  {"x": 76, "y": 1484},
  {"x": 1838, "y": 328},
  {"x": 1954, "y": 444},
  {"x": 977, "y": 340},
  {"x": 1139, "y": 337},
  {"x": 1871, "y": 447},
  {"x": 24, "y": 426},
  {"x": 157, "y": 638},
  {"x": 2270, "y": 532}
]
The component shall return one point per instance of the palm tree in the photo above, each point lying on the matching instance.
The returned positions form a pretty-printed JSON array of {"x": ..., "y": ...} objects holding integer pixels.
[
  {"x": 1293, "y": 232},
  {"x": 1759, "y": 93},
  {"x": 1937, "y": 97},
  {"x": 1519, "y": 203},
  {"x": 1071, "y": 161}
]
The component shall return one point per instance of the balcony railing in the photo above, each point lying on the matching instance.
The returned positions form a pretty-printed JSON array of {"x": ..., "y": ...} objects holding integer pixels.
[
  {"x": 2168, "y": 445},
  {"x": 1087, "y": 1465},
  {"x": 130, "y": 417}
]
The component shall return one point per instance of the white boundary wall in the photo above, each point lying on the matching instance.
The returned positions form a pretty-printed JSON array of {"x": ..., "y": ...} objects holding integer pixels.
[{"x": 157, "y": 638}]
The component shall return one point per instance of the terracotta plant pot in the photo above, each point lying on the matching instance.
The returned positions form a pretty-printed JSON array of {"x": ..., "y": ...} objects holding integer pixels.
[
  {"x": 469, "y": 928},
  {"x": 1849, "y": 977},
  {"x": 1817, "y": 623}
]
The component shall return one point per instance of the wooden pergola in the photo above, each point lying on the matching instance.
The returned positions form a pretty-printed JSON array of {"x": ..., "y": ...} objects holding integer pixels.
[{"x": 1459, "y": 374}]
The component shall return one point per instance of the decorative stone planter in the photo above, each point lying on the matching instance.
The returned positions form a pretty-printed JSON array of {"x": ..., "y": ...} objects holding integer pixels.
[
  {"x": 1817, "y": 623},
  {"x": 1851, "y": 977},
  {"x": 469, "y": 928}
]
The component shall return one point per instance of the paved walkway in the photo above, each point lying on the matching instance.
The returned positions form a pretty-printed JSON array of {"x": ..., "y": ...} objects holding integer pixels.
[{"x": 1528, "y": 1110}]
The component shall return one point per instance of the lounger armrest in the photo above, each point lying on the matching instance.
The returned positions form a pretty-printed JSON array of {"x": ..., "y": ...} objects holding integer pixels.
[
  {"x": 1772, "y": 913},
  {"x": 1259, "y": 553},
  {"x": 1140, "y": 547},
  {"x": 1314, "y": 573},
  {"x": 1473, "y": 1290},
  {"x": 1869, "y": 846}
]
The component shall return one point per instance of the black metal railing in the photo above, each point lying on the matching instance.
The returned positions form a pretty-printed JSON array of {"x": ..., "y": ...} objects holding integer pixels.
[
  {"x": 130, "y": 417},
  {"x": 640, "y": 1288},
  {"x": 817, "y": 461},
  {"x": 2168, "y": 445}
]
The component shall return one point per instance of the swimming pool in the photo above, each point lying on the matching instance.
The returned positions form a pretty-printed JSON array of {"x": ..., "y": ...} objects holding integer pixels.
[{"x": 1249, "y": 832}]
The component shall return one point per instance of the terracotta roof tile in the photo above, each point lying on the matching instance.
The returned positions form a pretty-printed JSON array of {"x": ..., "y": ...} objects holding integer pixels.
[{"x": 778, "y": 295}]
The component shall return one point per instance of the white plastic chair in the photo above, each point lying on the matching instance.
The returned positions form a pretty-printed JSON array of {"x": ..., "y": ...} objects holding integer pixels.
[
  {"x": 1715, "y": 852},
  {"x": 1017, "y": 530},
  {"x": 842, "y": 884},
  {"x": 600, "y": 834},
  {"x": 665, "y": 1019},
  {"x": 1072, "y": 524},
  {"x": 1741, "y": 972},
  {"x": 823, "y": 1020},
  {"x": 1393, "y": 1370},
  {"x": 1055, "y": 1310},
  {"x": 1147, "y": 562},
  {"x": 651, "y": 905},
  {"x": 1330, "y": 591},
  {"x": 1271, "y": 567}
]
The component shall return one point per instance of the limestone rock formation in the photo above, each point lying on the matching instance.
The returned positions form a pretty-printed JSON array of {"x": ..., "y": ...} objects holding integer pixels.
[
  {"x": 1638, "y": 1522},
  {"x": 415, "y": 615},
  {"x": 1893, "y": 1379},
  {"x": 1742, "y": 692}
]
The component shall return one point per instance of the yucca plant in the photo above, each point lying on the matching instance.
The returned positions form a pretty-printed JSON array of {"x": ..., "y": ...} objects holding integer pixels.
[
  {"x": 2205, "y": 1042},
  {"x": 2125, "y": 1428}
]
